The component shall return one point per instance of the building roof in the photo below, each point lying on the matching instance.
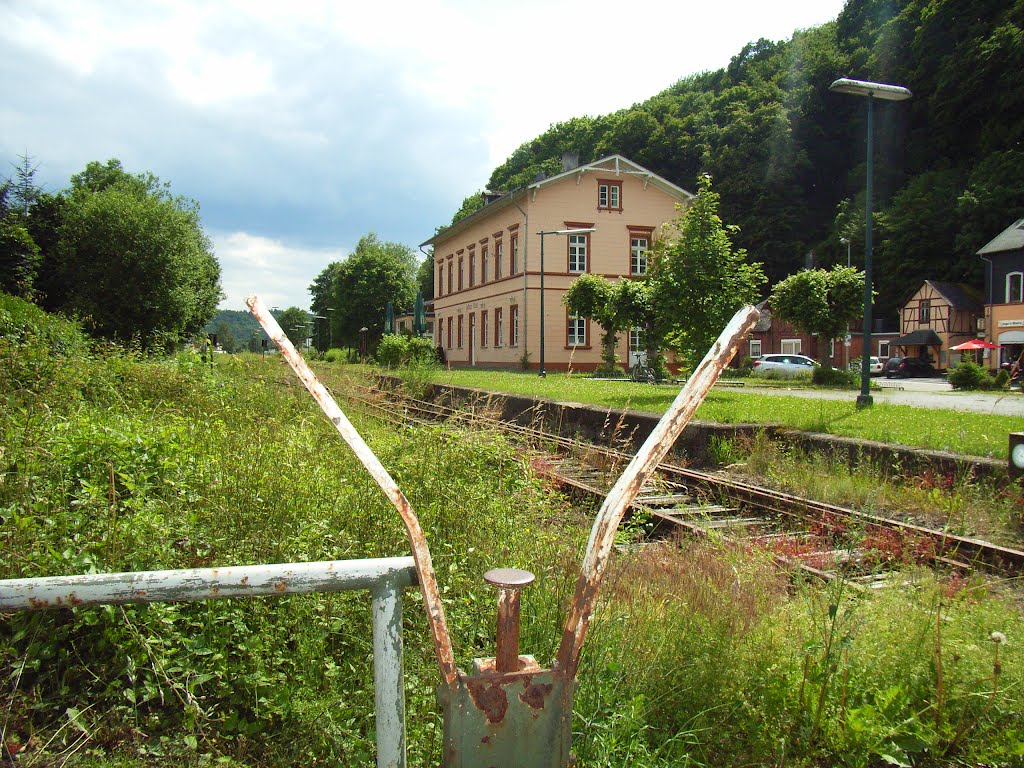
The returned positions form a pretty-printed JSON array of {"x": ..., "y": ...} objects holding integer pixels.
[
  {"x": 959, "y": 295},
  {"x": 1010, "y": 239},
  {"x": 923, "y": 336},
  {"x": 615, "y": 164}
]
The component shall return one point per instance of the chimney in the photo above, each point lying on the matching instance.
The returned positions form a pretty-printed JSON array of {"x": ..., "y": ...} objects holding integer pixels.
[{"x": 570, "y": 161}]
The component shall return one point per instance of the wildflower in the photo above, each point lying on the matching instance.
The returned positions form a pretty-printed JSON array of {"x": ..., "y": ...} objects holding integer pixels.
[{"x": 997, "y": 637}]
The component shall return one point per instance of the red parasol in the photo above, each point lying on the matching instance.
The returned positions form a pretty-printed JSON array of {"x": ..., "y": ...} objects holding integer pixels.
[{"x": 975, "y": 344}]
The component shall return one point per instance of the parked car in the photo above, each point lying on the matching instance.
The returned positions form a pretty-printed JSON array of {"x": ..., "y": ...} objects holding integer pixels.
[
  {"x": 908, "y": 367},
  {"x": 876, "y": 366},
  {"x": 786, "y": 365}
]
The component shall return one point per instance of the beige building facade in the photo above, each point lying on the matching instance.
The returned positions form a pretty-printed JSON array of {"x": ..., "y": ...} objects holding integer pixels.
[{"x": 489, "y": 266}]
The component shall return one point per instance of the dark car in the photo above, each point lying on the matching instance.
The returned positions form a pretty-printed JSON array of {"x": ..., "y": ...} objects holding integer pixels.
[{"x": 908, "y": 367}]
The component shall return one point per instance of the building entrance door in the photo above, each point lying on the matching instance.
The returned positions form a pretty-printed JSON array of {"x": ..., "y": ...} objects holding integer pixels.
[{"x": 637, "y": 354}]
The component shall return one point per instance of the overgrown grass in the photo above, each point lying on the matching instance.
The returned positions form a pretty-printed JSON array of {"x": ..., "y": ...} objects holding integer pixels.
[
  {"x": 975, "y": 434},
  {"x": 699, "y": 655}
]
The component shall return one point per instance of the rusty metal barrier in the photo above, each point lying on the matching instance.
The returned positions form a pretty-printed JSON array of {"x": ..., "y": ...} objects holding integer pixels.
[
  {"x": 510, "y": 712},
  {"x": 383, "y": 577}
]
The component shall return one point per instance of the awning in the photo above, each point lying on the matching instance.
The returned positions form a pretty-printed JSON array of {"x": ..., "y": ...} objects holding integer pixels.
[{"x": 921, "y": 337}]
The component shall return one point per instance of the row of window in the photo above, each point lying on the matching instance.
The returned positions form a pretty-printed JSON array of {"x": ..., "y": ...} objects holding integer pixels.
[
  {"x": 452, "y": 331},
  {"x": 577, "y": 262}
]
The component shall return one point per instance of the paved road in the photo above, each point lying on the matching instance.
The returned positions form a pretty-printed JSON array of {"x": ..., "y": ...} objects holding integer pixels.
[{"x": 920, "y": 393}]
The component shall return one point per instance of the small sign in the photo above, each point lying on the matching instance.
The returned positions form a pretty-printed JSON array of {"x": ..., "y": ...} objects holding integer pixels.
[{"x": 1011, "y": 323}]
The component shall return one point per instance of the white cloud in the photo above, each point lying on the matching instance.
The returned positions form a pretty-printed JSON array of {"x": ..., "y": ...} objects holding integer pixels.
[
  {"x": 278, "y": 272},
  {"x": 300, "y": 127}
]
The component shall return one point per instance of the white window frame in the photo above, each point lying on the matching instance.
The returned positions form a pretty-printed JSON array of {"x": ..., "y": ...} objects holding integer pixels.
[
  {"x": 638, "y": 255},
  {"x": 792, "y": 347},
  {"x": 755, "y": 348},
  {"x": 499, "y": 251},
  {"x": 1020, "y": 287},
  {"x": 883, "y": 349},
  {"x": 609, "y": 196},
  {"x": 578, "y": 247},
  {"x": 514, "y": 248},
  {"x": 484, "y": 325},
  {"x": 499, "y": 327},
  {"x": 514, "y": 312},
  {"x": 577, "y": 328}
]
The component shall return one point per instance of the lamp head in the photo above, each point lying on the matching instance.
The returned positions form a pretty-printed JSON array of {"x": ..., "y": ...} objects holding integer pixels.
[{"x": 867, "y": 88}]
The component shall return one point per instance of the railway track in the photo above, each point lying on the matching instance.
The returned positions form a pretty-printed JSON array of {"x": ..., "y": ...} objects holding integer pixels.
[{"x": 824, "y": 540}]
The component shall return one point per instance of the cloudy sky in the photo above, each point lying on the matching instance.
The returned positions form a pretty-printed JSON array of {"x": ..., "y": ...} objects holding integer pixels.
[{"x": 301, "y": 126}]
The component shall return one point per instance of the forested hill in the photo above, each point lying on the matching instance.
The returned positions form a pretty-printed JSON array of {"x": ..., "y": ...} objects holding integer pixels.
[{"x": 788, "y": 156}]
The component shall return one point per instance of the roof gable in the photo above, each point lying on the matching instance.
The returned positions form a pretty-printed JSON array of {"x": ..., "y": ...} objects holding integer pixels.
[
  {"x": 1010, "y": 239},
  {"x": 959, "y": 295},
  {"x": 616, "y": 165}
]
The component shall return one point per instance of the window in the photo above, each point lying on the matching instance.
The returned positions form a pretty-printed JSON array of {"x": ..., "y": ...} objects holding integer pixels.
[
  {"x": 460, "y": 276},
  {"x": 460, "y": 331},
  {"x": 483, "y": 265},
  {"x": 924, "y": 312},
  {"x": 609, "y": 195},
  {"x": 483, "y": 328},
  {"x": 451, "y": 283},
  {"x": 440, "y": 331},
  {"x": 755, "y": 347},
  {"x": 440, "y": 279},
  {"x": 514, "y": 250},
  {"x": 1015, "y": 287},
  {"x": 472, "y": 270},
  {"x": 449, "y": 333},
  {"x": 831, "y": 348},
  {"x": 498, "y": 327},
  {"x": 578, "y": 252},
  {"x": 498, "y": 253},
  {"x": 576, "y": 332},
  {"x": 883, "y": 349},
  {"x": 791, "y": 346},
  {"x": 513, "y": 338},
  {"x": 637, "y": 255}
]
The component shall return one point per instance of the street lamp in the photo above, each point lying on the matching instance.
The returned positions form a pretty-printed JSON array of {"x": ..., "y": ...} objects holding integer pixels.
[
  {"x": 543, "y": 373},
  {"x": 889, "y": 93},
  {"x": 846, "y": 241},
  {"x": 330, "y": 328}
]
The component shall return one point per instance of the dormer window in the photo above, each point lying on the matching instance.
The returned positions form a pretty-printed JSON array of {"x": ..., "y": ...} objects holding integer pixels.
[{"x": 609, "y": 195}]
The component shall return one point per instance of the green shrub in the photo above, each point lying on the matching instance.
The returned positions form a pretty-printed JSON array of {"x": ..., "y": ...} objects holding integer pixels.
[
  {"x": 970, "y": 376},
  {"x": 835, "y": 377},
  {"x": 774, "y": 374},
  {"x": 396, "y": 350},
  {"x": 1002, "y": 379}
]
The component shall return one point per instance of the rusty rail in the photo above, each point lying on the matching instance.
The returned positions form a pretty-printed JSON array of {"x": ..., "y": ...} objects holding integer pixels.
[
  {"x": 417, "y": 541},
  {"x": 658, "y": 443}
]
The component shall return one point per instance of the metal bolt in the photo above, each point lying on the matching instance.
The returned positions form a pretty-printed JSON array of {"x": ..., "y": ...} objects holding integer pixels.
[{"x": 509, "y": 582}]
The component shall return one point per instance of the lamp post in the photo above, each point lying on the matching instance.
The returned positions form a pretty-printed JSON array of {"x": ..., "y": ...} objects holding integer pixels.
[
  {"x": 846, "y": 241},
  {"x": 330, "y": 327},
  {"x": 318, "y": 331},
  {"x": 543, "y": 373},
  {"x": 889, "y": 93}
]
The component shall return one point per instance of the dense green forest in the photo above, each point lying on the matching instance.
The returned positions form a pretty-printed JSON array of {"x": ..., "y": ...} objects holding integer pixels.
[{"x": 788, "y": 156}]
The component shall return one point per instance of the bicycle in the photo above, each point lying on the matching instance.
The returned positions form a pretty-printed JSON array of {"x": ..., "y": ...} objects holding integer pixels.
[{"x": 642, "y": 373}]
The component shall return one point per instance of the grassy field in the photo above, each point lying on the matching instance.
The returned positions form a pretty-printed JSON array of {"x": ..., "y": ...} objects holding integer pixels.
[
  {"x": 975, "y": 434},
  {"x": 699, "y": 655}
]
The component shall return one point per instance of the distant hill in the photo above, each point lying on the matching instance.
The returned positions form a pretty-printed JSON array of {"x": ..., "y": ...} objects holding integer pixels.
[{"x": 242, "y": 330}]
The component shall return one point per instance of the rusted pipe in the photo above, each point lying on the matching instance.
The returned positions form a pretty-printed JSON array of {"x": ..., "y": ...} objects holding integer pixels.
[
  {"x": 417, "y": 541},
  {"x": 658, "y": 443},
  {"x": 509, "y": 582}
]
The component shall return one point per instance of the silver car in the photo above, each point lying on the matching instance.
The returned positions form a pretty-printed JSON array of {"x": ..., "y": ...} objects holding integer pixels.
[{"x": 787, "y": 365}]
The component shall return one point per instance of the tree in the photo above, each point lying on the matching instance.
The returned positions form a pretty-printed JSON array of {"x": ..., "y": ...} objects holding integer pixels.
[
  {"x": 590, "y": 297},
  {"x": 358, "y": 289},
  {"x": 134, "y": 259},
  {"x": 698, "y": 281},
  {"x": 425, "y": 276},
  {"x": 19, "y": 253},
  {"x": 821, "y": 302},
  {"x": 295, "y": 324}
]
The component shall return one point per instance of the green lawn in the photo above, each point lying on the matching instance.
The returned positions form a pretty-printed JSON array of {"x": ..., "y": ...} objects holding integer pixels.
[{"x": 975, "y": 434}]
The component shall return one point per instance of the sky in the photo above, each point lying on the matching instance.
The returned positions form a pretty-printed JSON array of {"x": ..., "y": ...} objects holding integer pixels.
[{"x": 301, "y": 126}]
